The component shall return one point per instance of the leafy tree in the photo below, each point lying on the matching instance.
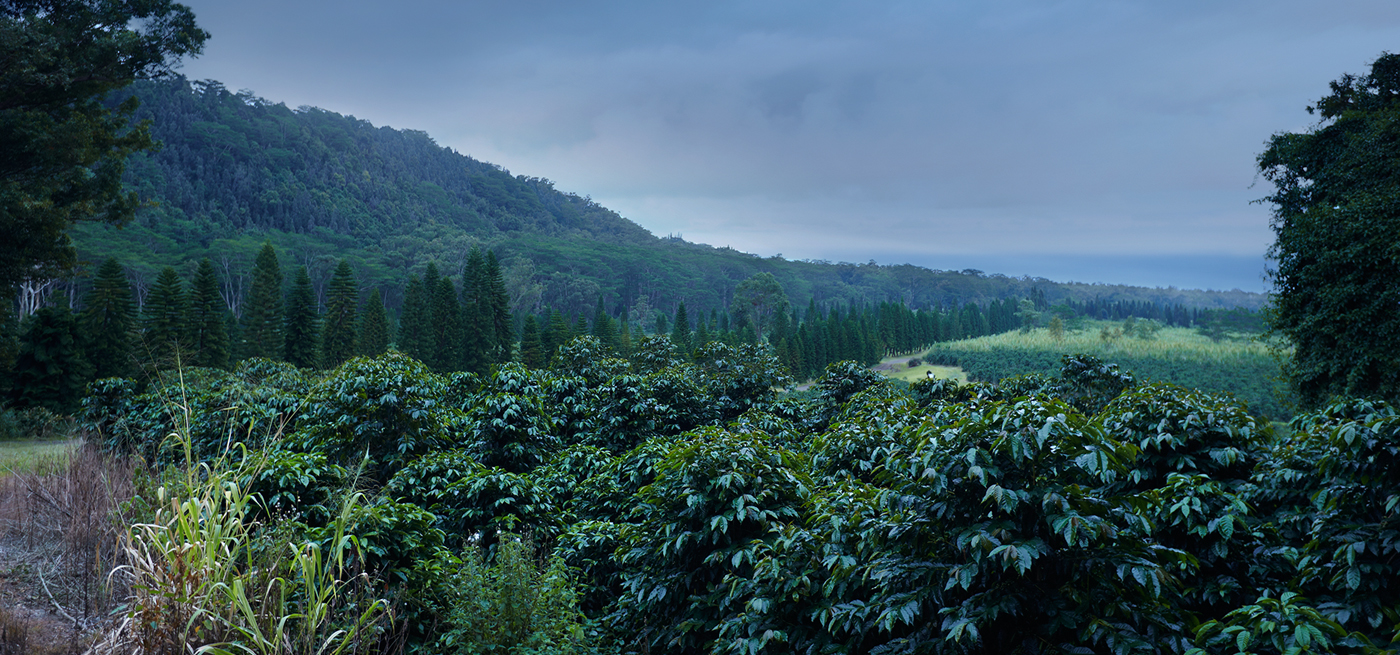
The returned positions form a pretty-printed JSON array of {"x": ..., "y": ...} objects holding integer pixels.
[
  {"x": 1337, "y": 219},
  {"x": 64, "y": 150},
  {"x": 50, "y": 370},
  {"x": 108, "y": 320},
  {"x": 373, "y": 337},
  {"x": 163, "y": 324},
  {"x": 206, "y": 334},
  {"x": 338, "y": 333},
  {"x": 759, "y": 300},
  {"x": 303, "y": 327},
  {"x": 261, "y": 328}
]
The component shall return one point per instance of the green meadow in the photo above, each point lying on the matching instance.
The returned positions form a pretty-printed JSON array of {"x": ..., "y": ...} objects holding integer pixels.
[{"x": 1234, "y": 363}]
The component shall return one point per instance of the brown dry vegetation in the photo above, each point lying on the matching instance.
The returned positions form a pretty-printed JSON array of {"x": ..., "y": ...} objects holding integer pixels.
[{"x": 59, "y": 535}]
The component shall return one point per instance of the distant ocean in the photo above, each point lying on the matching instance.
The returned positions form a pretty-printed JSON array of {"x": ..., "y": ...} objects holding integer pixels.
[{"x": 1219, "y": 272}]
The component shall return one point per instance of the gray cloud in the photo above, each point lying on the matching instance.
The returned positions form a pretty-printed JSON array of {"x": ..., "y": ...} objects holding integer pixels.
[{"x": 841, "y": 129}]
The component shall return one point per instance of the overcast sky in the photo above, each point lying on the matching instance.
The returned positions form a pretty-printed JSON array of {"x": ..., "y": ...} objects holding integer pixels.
[{"x": 1108, "y": 141}]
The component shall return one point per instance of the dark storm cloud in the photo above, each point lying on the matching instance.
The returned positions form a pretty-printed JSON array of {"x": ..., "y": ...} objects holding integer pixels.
[{"x": 843, "y": 130}]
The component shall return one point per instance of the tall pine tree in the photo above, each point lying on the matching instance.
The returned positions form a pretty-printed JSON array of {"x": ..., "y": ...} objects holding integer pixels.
[
  {"x": 479, "y": 344},
  {"x": 108, "y": 321},
  {"x": 447, "y": 327},
  {"x": 162, "y": 326},
  {"x": 413, "y": 322},
  {"x": 50, "y": 370},
  {"x": 303, "y": 327},
  {"x": 531, "y": 346},
  {"x": 260, "y": 330},
  {"x": 373, "y": 338},
  {"x": 497, "y": 300},
  {"x": 680, "y": 333},
  {"x": 342, "y": 309},
  {"x": 206, "y": 335}
]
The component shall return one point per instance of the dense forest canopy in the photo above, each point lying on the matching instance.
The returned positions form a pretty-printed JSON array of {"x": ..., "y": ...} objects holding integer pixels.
[{"x": 237, "y": 169}]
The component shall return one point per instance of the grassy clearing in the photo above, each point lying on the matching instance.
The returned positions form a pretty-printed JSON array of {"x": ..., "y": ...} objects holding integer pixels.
[
  {"x": 898, "y": 368},
  {"x": 1238, "y": 365},
  {"x": 36, "y": 456},
  {"x": 1106, "y": 340}
]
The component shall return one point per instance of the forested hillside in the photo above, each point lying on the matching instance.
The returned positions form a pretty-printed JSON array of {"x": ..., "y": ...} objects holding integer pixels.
[{"x": 236, "y": 170}]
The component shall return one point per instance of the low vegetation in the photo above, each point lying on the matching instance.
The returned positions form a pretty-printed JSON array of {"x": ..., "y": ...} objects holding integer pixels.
[
  {"x": 654, "y": 504},
  {"x": 1237, "y": 363}
]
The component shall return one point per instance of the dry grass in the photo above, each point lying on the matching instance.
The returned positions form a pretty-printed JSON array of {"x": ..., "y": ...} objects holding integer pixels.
[{"x": 58, "y": 542}]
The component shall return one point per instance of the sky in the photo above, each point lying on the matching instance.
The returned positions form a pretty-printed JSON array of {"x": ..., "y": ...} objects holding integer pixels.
[{"x": 1093, "y": 141}]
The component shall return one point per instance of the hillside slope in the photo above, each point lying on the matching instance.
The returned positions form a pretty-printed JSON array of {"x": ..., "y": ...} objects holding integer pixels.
[{"x": 236, "y": 169}]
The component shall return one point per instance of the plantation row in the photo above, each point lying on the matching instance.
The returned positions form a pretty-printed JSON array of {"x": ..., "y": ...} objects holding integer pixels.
[
  {"x": 700, "y": 511},
  {"x": 1245, "y": 369}
]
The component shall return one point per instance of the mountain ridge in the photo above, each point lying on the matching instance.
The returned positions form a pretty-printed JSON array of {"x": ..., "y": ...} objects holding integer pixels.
[{"x": 236, "y": 169}]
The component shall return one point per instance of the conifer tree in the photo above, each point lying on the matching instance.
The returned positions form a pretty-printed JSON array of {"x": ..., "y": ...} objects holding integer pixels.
[
  {"x": 497, "y": 301},
  {"x": 260, "y": 330},
  {"x": 205, "y": 331},
  {"x": 556, "y": 333},
  {"x": 108, "y": 321},
  {"x": 603, "y": 326},
  {"x": 303, "y": 323},
  {"x": 163, "y": 324},
  {"x": 680, "y": 333},
  {"x": 50, "y": 370},
  {"x": 342, "y": 309},
  {"x": 702, "y": 332},
  {"x": 447, "y": 328},
  {"x": 580, "y": 326},
  {"x": 478, "y": 340},
  {"x": 373, "y": 338},
  {"x": 413, "y": 323},
  {"x": 531, "y": 346}
]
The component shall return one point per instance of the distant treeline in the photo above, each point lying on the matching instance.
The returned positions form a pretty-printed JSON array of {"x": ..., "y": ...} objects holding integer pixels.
[
  {"x": 236, "y": 171},
  {"x": 110, "y": 326}
]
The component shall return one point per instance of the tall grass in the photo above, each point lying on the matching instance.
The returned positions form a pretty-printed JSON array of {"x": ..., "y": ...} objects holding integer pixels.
[{"x": 206, "y": 578}]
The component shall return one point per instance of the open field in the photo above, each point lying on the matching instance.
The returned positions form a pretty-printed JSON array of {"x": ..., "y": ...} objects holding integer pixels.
[
  {"x": 899, "y": 369},
  {"x": 35, "y": 455},
  {"x": 1240, "y": 366}
]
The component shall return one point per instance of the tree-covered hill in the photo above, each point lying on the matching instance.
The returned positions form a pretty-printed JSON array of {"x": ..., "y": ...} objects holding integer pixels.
[{"x": 236, "y": 169}]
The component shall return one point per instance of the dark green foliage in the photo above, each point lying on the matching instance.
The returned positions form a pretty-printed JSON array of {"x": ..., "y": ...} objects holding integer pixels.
[
  {"x": 388, "y": 409},
  {"x": 296, "y": 486},
  {"x": 393, "y": 538},
  {"x": 1336, "y": 220},
  {"x": 65, "y": 151},
  {"x": 342, "y": 308},
  {"x": 496, "y": 309},
  {"x": 446, "y": 328},
  {"x": 108, "y": 320},
  {"x": 510, "y": 428},
  {"x": 513, "y": 604},
  {"x": 414, "y": 338},
  {"x": 716, "y": 500},
  {"x": 206, "y": 336},
  {"x": 260, "y": 328},
  {"x": 50, "y": 369},
  {"x": 302, "y": 332},
  {"x": 373, "y": 337},
  {"x": 1089, "y": 383},
  {"x": 163, "y": 322},
  {"x": 760, "y": 302},
  {"x": 556, "y": 333},
  {"x": 680, "y": 331},
  {"x": 532, "y": 348}
]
